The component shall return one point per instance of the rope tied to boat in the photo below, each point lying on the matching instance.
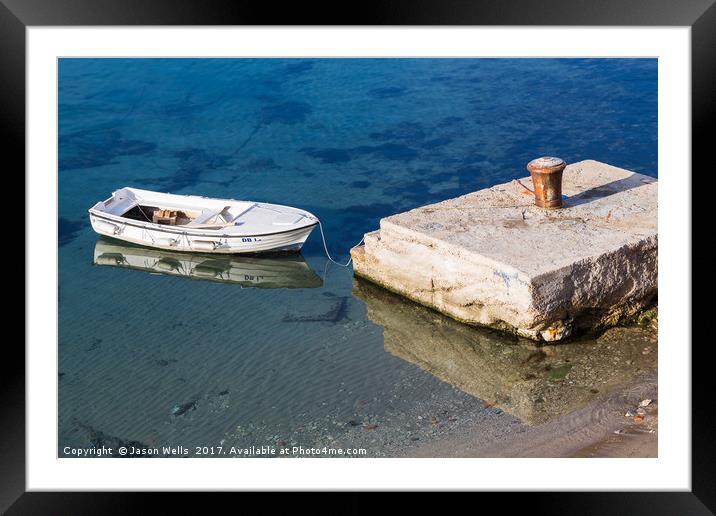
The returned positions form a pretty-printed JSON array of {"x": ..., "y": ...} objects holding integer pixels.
[
  {"x": 137, "y": 202},
  {"x": 328, "y": 255}
]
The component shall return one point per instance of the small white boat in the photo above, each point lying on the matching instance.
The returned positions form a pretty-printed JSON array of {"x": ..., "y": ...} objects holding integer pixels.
[{"x": 200, "y": 224}]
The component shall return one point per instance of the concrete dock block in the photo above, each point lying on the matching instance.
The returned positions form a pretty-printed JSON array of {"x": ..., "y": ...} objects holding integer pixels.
[{"x": 493, "y": 258}]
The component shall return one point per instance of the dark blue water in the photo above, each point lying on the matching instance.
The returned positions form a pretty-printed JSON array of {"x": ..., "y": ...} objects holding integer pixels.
[{"x": 351, "y": 140}]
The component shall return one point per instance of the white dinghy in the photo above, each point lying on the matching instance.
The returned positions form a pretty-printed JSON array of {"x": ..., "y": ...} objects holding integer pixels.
[{"x": 200, "y": 224}]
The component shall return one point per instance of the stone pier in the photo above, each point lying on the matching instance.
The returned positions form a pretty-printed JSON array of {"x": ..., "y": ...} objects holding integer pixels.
[{"x": 493, "y": 258}]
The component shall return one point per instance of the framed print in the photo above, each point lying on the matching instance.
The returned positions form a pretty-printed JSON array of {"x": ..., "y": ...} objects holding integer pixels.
[{"x": 420, "y": 244}]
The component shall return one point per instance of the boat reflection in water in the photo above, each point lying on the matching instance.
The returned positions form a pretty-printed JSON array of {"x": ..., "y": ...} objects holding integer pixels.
[
  {"x": 279, "y": 271},
  {"x": 536, "y": 383}
]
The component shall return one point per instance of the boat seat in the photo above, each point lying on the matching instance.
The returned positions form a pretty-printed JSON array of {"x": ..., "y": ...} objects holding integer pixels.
[
  {"x": 119, "y": 206},
  {"x": 209, "y": 216}
]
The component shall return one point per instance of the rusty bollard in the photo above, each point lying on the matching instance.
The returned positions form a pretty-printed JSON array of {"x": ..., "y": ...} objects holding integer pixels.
[{"x": 546, "y": 175}]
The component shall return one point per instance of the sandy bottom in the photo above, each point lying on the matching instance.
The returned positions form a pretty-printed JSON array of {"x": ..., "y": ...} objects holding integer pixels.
[{"x": 613, "y": 425}]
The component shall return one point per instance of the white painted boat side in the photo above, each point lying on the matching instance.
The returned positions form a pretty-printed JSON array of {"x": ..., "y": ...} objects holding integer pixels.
[
  {"x": 256, "y": 227},
  {"x": 193, "y": 241}
]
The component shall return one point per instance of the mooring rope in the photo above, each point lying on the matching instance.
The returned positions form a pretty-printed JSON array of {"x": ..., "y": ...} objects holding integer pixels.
[
  {"x": 328, "y": 255},
  {"x": 137, "y": 200}
]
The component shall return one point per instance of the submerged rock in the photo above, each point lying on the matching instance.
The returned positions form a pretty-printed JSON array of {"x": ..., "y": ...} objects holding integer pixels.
[
  {"x": 99, "y": 439},
  {"x": 68, "y": 230},
  {"x": 181, "y": 409},
  {"x": 336, "y": 312}
]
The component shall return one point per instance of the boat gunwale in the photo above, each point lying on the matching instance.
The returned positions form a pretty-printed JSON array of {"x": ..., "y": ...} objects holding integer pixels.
[{"x": 193, "y": 232}]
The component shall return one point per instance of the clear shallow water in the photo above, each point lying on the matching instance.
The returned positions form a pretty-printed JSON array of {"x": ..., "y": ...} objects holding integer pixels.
[{"x": 158, "y": 358}]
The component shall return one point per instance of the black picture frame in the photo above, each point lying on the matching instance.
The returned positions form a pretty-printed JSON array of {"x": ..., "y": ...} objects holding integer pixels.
[{"x": 17, "y": 15}]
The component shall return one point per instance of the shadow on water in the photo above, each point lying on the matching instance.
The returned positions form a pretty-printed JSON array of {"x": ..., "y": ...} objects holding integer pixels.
[
  {"x": 279, "y": 271},
  {"x": 536, "y": 383}
]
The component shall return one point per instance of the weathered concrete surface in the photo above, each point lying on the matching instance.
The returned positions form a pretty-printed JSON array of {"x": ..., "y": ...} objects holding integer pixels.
[
  {"x": 493, "y": 258},
  {"x": 537, "y": 383}
]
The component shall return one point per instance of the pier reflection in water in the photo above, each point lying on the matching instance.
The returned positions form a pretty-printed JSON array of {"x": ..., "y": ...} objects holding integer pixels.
[
  {"x": 536, "y": 383},
  {"x": 277, "y": 271}
]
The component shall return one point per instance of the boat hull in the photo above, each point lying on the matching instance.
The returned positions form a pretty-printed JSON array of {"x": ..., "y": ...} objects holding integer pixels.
[{"x": 178, "y": 238}]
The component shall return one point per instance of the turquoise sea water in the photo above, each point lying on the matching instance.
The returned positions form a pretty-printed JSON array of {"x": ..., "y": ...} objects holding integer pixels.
[{"x": 282, "y": 351}]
